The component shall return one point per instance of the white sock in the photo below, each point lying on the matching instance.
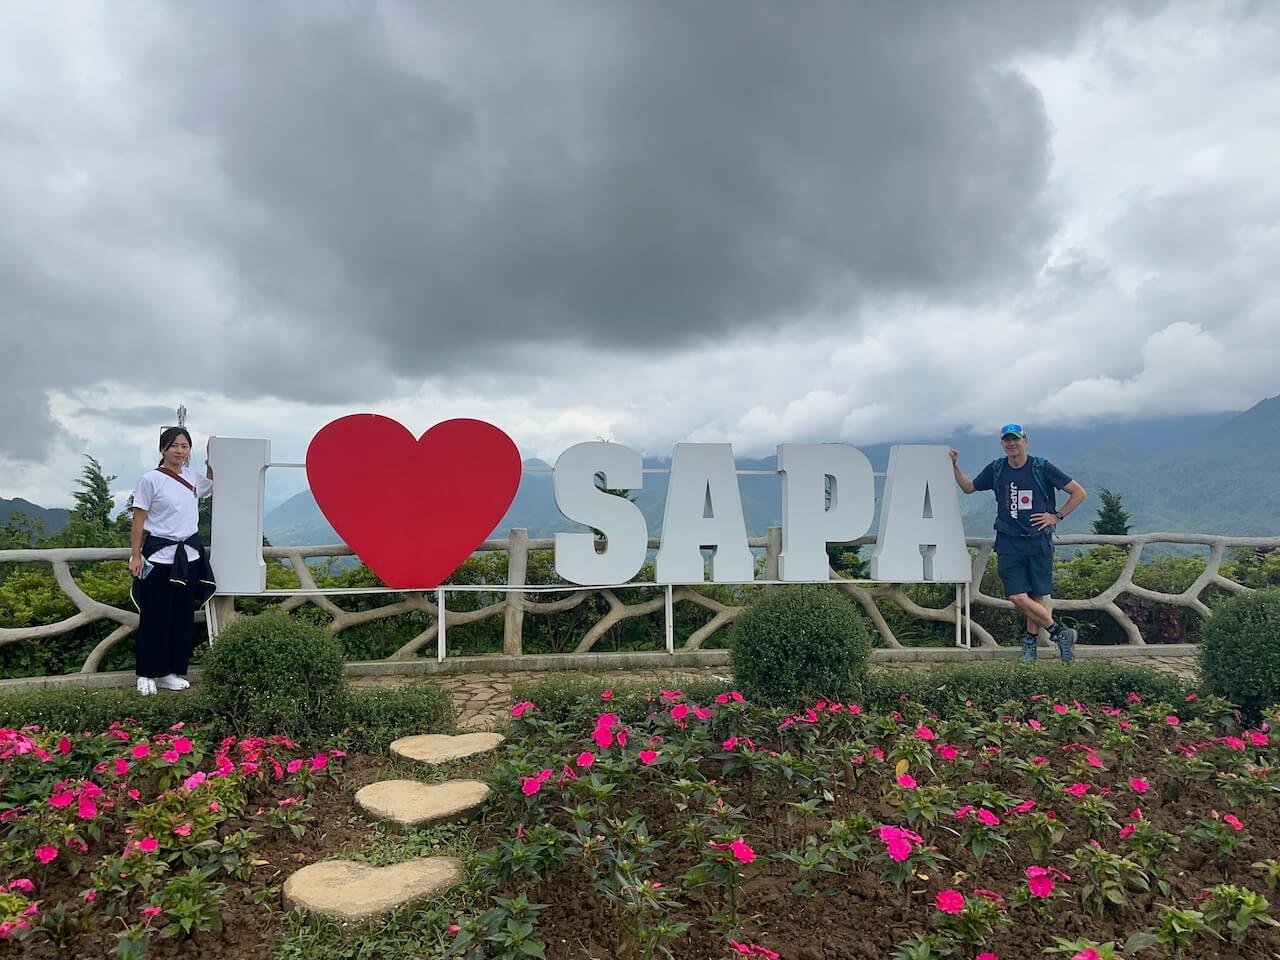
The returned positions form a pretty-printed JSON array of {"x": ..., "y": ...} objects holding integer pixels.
[{"x": 146, "y": 686}]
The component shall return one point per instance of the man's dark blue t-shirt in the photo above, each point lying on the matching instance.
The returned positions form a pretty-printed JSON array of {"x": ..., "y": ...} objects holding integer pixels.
[{"x": 1016, "y": 501}]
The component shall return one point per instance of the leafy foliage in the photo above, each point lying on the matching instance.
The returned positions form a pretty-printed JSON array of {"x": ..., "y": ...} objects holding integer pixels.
[
  {"x": 1240, "y": 653},
  {"x": 795, "y": 645}
]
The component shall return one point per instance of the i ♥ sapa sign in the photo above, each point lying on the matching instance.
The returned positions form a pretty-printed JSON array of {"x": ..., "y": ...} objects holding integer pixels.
[{"x": 414, "y": 508}]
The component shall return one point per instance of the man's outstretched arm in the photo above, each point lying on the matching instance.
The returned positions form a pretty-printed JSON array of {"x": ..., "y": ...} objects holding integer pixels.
[{"x": 962, "y": 481}]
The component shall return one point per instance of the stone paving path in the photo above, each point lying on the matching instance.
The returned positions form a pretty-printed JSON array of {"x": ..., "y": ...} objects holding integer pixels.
[
  {"x": 352, "y": 892},
  {"x": 482, "y": 699}
]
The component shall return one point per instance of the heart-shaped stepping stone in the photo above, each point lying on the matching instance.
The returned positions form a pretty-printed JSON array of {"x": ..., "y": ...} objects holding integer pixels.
[
  {"x": 410, "y": 803},
  {"x": 412, "y": 509},
  {"x": 353, "y": 892},
  {"x": 441, "y": 747}
]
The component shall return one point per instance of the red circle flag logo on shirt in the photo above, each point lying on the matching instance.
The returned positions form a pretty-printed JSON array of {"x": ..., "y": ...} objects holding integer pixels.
[{"x": 412, "y": 509}]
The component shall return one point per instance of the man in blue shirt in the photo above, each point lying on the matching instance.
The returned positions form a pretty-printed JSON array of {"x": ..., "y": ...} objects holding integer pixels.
[{"x": 1026, "y": 513}]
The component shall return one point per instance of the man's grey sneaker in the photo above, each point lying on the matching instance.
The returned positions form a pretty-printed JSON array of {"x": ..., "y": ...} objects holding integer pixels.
[
  {"x": 1028, "y": 650},
  {"x": 1065, "y": 638}
]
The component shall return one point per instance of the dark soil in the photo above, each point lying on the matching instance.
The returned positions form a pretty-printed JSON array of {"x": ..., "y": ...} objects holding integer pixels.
[{"x": 864, "y": 917}]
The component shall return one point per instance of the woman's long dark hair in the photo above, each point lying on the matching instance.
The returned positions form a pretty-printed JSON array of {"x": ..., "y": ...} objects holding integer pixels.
[{"x": 170, "y": 434}]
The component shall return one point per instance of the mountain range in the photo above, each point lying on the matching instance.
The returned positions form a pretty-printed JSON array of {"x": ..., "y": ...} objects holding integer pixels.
[{"x": 1208, "y": 473}]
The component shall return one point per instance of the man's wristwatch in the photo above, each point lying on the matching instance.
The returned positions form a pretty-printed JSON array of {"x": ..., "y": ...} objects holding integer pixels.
[{"x": 1057, "y": 514}]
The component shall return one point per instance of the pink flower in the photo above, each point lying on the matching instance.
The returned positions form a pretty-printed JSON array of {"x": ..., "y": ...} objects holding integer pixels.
[
  {"x": 947, "y": 752},
  {"x": 1026, "y": 806},
  {"x": 62, "y": 799},
  {"x": 148, "y": 844},
  {"x": 753, "y": 950},
  {"x": 742, "y": 850},
  {"x": 214, "y": 806},
  {"x": 1078, "y": 789},
  {"x": 46, "y": 853},
  {"x": 924, "y": 732},
  {"x": 989, "y": 818},
  {"x": 906, "y": 781},
  {"x": 319, "y": 762},
  {"x": 1088, "y": 953},
  {"x": 1139, "y": 785},
  {"x": 194, "y": 781},
  {"x": 531, "y": 785},
  {"x": 964, "y": 811},
  {"x": 293, "y": 766},
  {"x": 134, "y": 794},
  {"x": 120, "y": 766},
  {"x": 1191, "y": 698},
  {"x": 585, "y": 759},
  {"x": 603, "y": 737},
  {"x": 150, "y": 913},
  {"x": 1040, "y": 880},
  {"x": 86, "y": 809},
  {"x": 22, "y": 884},
  {"x": 1233, "y": 821},
  {"x": 1172, "y": 720},
  {"x": 1127, "y": 831},
  {"x": 64, "y": 745},
  {"x": 1133, "y": 698},
  {"x": 622, "y": 738},
  {"x": 182, "y": 745},
  {"x": 453, "y": 929},
  {"x": 607, "y": 696},
  {"x": 141, "y": 751},
  {"x": 520, "y": 709},
  {"x": 171, "y": 756},
  {"x": 949, "y": 901},
  {"x": 648, "y": 756},
  {"x": 1256, "y": 738},
  {"x": 1035, "y": 724},
  {"x": 898, "y": 842},
  {"x": 182, "y": 830},
  {"x": 90, "y": 896},
  {"x": 1093, "y": 761},
  {"x": 986, "y": 955},
  {"x": 679, "y": 711}
]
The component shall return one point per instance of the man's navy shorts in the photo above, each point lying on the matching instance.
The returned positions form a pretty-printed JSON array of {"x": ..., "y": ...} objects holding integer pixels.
[{"x": 1026, "y": 573}]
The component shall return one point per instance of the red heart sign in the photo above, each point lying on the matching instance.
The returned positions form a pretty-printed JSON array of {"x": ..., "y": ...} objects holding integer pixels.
[{"x": 412, "y": 510}]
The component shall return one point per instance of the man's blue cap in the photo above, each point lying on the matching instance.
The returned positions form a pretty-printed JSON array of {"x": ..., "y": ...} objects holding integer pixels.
[{"x": 1013, "y": 428}]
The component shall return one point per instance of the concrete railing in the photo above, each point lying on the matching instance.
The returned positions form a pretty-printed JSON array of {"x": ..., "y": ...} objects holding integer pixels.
[{"x": 517, "y": 603}]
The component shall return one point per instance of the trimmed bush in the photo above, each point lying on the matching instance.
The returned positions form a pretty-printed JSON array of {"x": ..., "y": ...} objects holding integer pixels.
[
  {"x": 796, "y": 644},
  {"x": 276, "y": 674},
  {"x": 943, "y": 688},
  {"x": 991, "y": 685},
  {"x": 377, "y": 717},
  {"x": 1240, "y": 651},
  {"x": 576, "y": 697}
]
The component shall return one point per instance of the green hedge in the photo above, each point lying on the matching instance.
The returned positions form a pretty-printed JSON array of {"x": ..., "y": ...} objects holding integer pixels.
[
  {"x": 576, "y": 697},
  {"x": 372, "y": 719}
]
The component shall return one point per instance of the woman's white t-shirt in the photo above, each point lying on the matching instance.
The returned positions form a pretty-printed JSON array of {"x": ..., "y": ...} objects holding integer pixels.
[{"x": 173, "y": 511}]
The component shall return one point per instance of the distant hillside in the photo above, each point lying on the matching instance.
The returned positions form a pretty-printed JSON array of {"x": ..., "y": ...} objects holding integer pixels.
[
  {"x": 54, "y": 519},
  {"x": 1215, "y": 473}
]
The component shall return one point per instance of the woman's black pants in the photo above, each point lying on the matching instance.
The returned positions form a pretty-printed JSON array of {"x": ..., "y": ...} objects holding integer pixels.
[{"x": 167, "y": 621}]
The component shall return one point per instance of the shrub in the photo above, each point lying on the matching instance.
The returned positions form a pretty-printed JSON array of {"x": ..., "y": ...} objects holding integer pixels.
[
  {"x": 796, "y": 644},
  {"x": 577, "y": 697},
  {"x": 276, "y": 674},
  {"x": 377, "y": 717},
  {"x": 990, "y": 684},
  {"x": 1240, "y": 652}
]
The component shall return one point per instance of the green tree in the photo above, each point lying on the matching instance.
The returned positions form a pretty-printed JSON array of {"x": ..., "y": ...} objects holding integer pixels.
[
  {"x": 21, "y": 532},
  {"x": 90, "y": 524},
  {"x": 1113, "y": 519}
]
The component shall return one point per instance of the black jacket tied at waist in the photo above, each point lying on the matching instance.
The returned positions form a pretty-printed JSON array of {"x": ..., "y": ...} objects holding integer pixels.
[{"x": 180, "y": 573}]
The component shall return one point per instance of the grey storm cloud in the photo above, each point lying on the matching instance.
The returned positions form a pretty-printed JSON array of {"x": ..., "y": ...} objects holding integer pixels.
[
  {"x": 348, "y": 192},
  {"x": 446, "y": 179}
]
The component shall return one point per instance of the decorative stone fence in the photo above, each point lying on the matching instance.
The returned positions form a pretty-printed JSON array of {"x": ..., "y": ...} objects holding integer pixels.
[{"x": 521, "y": 599}]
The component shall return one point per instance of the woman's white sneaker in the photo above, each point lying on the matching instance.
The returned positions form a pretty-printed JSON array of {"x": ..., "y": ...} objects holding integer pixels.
[
  {"x": 173, "y": 682},
  {"x": 146, "y": 686}
]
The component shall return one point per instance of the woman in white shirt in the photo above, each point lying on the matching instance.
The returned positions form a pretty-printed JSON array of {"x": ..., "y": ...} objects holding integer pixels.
[{"x": 169, "y": 563}]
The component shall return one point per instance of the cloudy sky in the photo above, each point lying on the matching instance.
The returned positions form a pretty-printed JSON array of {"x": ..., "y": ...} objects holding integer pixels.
[{"x": 645, "y": 221}]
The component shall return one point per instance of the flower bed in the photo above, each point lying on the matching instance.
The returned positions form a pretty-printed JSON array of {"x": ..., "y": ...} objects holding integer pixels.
[
  {"x": 719, "y": 830},
  {"x": 128, "y": 844}
]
